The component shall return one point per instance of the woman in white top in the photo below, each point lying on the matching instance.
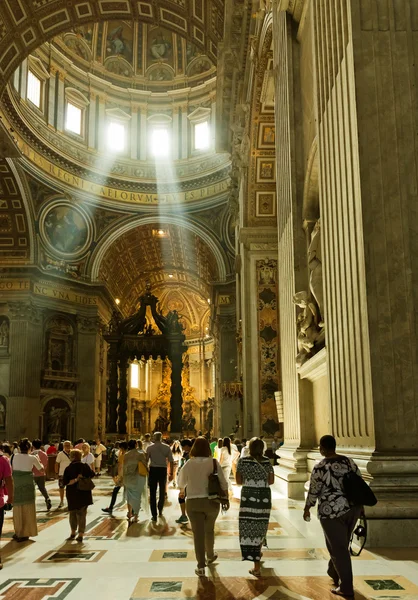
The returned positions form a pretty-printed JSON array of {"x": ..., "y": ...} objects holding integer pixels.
[
  {"x": 87, "y": 457},
  {"x": 202, "y": 512},
  {"x": 24, "y": 508},
  {"x": 225, "y": 460}
]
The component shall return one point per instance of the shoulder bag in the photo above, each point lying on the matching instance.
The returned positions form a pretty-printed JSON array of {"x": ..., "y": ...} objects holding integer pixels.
[
  {"x": 357, "y": 492},
  {"x": 215, "y": 491},
  {"x": 85, "y": 484},
  {"x": 142, "y": 469}
]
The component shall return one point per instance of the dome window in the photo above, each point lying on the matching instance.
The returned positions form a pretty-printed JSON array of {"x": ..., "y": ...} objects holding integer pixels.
[
  {"x": 34, "y": 89},
  {"x": 160, "y": 142},
  {"x": 201, "y": 136},
  {"x": 116, "y": 136},
  {"x": 73, "y": 118}
]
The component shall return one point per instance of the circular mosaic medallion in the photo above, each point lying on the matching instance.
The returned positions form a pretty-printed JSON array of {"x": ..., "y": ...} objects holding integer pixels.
[{"x": 66, "y": 229}]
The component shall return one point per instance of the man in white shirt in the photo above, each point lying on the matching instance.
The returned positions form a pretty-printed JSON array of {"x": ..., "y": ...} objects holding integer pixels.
[
  {"x": 147, "y": 442},
  {"x": 159, "y": 456},
  {"x": 61, "y": 463},
  {"x": 98, "y": 455}
]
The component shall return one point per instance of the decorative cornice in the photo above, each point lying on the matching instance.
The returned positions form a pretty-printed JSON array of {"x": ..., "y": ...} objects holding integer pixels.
[
  {"x": 259, "y": 238},
  {"x": 315, "y": 367}
]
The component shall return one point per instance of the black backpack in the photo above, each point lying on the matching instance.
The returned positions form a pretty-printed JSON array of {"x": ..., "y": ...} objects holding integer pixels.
[{"x": 357, "y": 491}]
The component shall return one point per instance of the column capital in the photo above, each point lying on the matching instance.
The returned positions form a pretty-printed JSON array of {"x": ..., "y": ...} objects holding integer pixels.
[
  {"x": 89, "y": 325},
  {"x": 24, "y": 311}
]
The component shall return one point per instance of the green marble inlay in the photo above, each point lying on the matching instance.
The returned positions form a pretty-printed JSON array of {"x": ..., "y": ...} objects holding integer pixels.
[
  {"x": 175, "y": 555},
  {"x": 166, "y": 586},
  {"x": 383, "y": 584},
  {"x": 72, "y": 555}
]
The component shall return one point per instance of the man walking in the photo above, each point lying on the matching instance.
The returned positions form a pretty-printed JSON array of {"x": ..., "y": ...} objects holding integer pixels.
[
  {"x": 336, "y": 516},
  {"x": 40, "y": 476},
  {"x": 159, "y": 456}
]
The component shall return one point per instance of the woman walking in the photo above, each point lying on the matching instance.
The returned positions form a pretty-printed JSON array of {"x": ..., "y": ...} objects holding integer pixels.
[
  {"x": 255, "y": 474},
  {"x": 24, "y": 507},
  {"x": 177, "y": 453},
  {"x": 78, "y": 500},
  {"x": 118, "y": 478},
  {"x": 225, "y": 461},
  {"x": 135, "y": 473},
  {"x": 202, "y": 512},
  {"x": 87, "y": 457}
]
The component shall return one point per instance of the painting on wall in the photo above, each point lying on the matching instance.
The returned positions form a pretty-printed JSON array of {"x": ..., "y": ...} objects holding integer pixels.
[
  {"x": 160, "y": 46},
  {"x": 65, "y": 229},
  {"x": 266, "y": 170},
  {"x": 268, "y": 344},
  {"x": 266, "y": 136},
  {"x": 265, "y": 204},
  {"x": 119, "y": 40}
]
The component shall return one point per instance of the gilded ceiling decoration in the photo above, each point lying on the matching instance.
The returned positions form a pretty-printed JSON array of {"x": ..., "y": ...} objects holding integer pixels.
[
  {"x": 14, "y": 227},
  {"x": 136, "y": 55},
  {"x": 174, "y": 258},
  {"x": 25, "y": 24}
]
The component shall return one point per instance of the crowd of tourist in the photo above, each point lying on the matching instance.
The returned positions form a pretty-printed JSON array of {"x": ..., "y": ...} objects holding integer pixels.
[{"x": 144, "y": 468}]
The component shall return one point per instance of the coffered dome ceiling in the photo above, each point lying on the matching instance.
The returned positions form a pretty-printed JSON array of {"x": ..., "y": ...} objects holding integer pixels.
[
  {"x": 176, "y": 262},
  {"x": 136, "y": 55}
]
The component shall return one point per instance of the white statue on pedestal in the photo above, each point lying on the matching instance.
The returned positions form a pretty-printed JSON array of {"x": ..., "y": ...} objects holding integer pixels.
[
  {"x": 315, "y": 265},
  {"x": 307, "y": 326}
]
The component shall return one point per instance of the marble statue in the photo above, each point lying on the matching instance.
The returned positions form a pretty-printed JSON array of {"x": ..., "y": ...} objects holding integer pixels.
[
  {"x": 307, "y": 326},
  {"x": 56, "y": 417},
  {"x": 315, "y": 266}
]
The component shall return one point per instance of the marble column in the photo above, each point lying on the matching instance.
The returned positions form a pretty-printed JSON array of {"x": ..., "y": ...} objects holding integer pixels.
[
  {"x": 143, "y": 133},
  {"x": 184, "y": 133},
  {"x": 366, "y": 110},
  {"x": 92, "y": 132},
  {"x": 292, "y": 259},
  {"x": 123, "y": 396},
  {"x": 60, "y": 105},
  {"x": 134, "y": 131},
  {"x": 25, "y": 349},
  {"x": 88, "y": 390},
  {"x": 52, "y": 96}
]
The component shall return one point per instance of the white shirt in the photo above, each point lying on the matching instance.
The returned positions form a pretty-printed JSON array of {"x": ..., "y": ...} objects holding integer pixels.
[
  {"x": 194, "y": 476},
  {"x": 63, "y": 460},
  {"x": 88, "y": 459},
  {"x": 26, "y": 462},
  {"x": 245, "y": 452},
  {"x": 225, "y": 457}
]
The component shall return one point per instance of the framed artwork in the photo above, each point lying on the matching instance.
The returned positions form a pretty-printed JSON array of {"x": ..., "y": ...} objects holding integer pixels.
[
  {"x": 266, "y": 135},
  {"x": 65, "y": 229},
  {"x": 265, "y": 204},
  {"x": 266, "y": 170}
]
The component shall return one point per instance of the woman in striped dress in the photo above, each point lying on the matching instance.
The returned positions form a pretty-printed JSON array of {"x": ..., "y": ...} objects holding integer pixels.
[{"x": 255, "y": 474}]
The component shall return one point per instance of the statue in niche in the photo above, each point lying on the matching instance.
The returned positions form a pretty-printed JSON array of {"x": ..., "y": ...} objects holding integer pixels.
[
  {"x": 4, "y": 334},
  {"x": 173, "y": 324},
  {"x": 188, "y": 421},
  {"x": 114, "y": 322},
  {"x": 57, "y": 420},
  {"x": 308, "y": 330},
  {"x": 315, "y": 266},
  {"x": 162, "y": 422}
]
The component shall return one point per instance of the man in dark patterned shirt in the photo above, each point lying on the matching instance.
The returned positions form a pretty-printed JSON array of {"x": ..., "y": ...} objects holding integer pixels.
[{"x": 336, "y": 516}]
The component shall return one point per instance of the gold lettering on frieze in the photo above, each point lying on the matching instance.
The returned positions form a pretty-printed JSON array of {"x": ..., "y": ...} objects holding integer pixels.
[
  {"x": 120, "y": 195},
  {"x": 67, "y": 295},
  {"x": 14, "y": 285}
]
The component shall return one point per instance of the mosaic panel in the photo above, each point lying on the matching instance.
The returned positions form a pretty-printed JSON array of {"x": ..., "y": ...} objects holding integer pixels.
[{"x": 268, "y": 343}]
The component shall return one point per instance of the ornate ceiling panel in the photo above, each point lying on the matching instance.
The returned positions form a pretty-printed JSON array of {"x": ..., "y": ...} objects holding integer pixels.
[
  {"x": 25, "y": 24},
  {"x": 168, "y": 256},
  {"x": 14, "y": 228},
  {"x": 136, "y": 55}
]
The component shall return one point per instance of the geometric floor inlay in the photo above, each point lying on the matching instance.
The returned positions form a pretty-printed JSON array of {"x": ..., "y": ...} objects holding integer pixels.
[
  {"x": 72, "y": 555},
  {"x": 37, "y": 589}
]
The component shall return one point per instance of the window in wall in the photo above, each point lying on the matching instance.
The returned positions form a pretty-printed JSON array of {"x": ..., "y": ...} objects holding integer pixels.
[
  {"x": 73, "y": 118},
  {"x": 34, "y": 89},
  {"x": 201, "y": 136},
  {"x": 134, "y": 376},
  {"x": 116, "y": 136},
  {"x": 160, "y": 142}
]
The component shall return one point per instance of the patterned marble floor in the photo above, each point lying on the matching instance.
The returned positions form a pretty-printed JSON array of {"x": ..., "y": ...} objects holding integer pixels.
[{"x": 150, "y": 561}]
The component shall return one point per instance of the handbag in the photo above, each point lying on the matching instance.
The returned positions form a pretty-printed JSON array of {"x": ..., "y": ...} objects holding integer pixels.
[
  {"x": 360, "y": 532},
  {"x": 85, "y": 484},
  {"x": 142, "y": 469},
  {"x": 215, "y": 492}
]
